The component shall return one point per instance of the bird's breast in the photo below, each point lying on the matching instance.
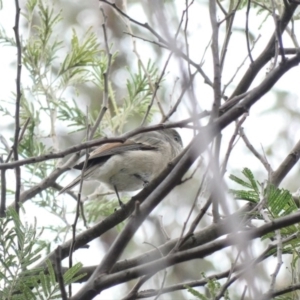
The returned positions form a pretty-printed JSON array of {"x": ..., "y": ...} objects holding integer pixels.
[{"x": 132, "y": 170}]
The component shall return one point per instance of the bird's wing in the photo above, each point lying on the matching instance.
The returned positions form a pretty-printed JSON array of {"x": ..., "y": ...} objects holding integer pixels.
[
  {"x": 117, "y": 148},
  {"x": 100, "y": 155},
  {"x": 104, "y": 152}
]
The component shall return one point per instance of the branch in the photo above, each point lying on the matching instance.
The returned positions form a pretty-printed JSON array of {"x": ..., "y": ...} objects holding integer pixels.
[
  {"x": 3, "y": 193},
  {"x": 201, "y": 237},
  {"x": 247, "y": 31},
  {"x": 59, "y": 274},
  {"x": 267, "y": 54},
  {"x": 257, "y": 92},
  {"x": 106, "y": 75},
  {"x": 260, "y": 157},
  {"x": 286, "y": 165},
  {"x": 280, "y": 292},
  {"x": 229, "y": 22},
  {"x": 170, "y": 45},
  {"x": 216, "y": 59},
  {"x": 105, "y": 281},
  {"x": 18, "y": 103}
]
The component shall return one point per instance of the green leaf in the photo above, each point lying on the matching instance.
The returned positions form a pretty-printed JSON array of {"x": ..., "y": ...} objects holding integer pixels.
[
  {"x": 196, "y": 293},
  {"x": 239, "y": 181}
]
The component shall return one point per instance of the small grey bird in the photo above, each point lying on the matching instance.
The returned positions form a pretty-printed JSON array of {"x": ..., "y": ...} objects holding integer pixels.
[{"x": 129, "y": 166}]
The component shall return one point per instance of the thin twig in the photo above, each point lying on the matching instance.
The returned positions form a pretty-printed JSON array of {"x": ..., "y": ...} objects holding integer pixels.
[
  {"x": 185, "y": 88},
  {"x": 231, "y": 142},
  {"x": 247, "y": 31},
  {"x": 196, "y": 221},
  {"x": 155, "y": 92},
  {"x": 278, "y": 34},
  {"x": 291, "y": 32},
  {"x": 182, "y": 239},
  {"x": 59, "y": 275},
  {"x": 229, "y": 24},
  {"x": 264, "y": 7},
  {"x": 162, "y": 229},
  {"x": 217, "y": 90},
  {"x": 216, "y": 60},
  {"x": 186, "y": 11},
  {"x": 238, "y": 69},
  {"x": 85, "y": 224},
  {"x": 3, "y": 171},
  {"x": 146, "y": 40},
  {"x": 170, "y": 45},
  {"x": 20, "y": 139},
  {"x": 3, "y": 192},
  {"x": 132, "y": 294},
  {"x": 244, "y": 292},
  {"x": 279, "y": 260},
  {"x": 232, "y": 270},
  {"x": 222, "y": 8},
  {"x": 18, "y": 104},
  {"x": 161, "y": 286},
  {"x": 164, "y": 117},
  {"x": 154, "y": 87},
  {"x": 254, "y": 151},
  {"x": 287, "y": 164},
  {"x": 106, "y": 75},
  {"x": 232, "y": 102},
  {"x": 78, "y": 206}
]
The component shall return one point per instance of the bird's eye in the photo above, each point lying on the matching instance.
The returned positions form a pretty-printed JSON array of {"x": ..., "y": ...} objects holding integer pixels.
[{"x": 177, "y": 138}]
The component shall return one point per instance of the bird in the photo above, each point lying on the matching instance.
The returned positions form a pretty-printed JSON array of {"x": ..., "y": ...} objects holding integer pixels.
[{"x": 131, "y": 165}]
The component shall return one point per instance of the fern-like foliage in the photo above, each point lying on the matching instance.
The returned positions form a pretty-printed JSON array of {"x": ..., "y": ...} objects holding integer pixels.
[
  {"x": 139, "y": 95},
  {"x": 250, "y": 191},
  {"x": 213, "y": 287},
  {"x": 20, "y": 248},
  {"x": 277, "y": 202}
]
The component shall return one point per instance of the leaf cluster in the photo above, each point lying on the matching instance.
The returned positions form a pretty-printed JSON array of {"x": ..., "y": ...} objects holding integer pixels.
[
  {"x": 20, "y": 248},
  {"x": 275, "y": 201},
  {"x": 213, "y": 288}
]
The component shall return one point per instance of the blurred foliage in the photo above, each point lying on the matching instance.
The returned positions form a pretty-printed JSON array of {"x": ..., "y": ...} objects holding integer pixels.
[
  {"x": 213, "y": 288},
  {"x": 275, "y": 201},
  {"x": 20, "y": 248}
]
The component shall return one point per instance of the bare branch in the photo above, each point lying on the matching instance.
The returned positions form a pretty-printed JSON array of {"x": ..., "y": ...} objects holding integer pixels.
[
  {"x": 288, "y": 163},
  {"x": 261, "y": 158},
  {"x": 266, "y": 55},
  {"x": 17, "y": 105},
  {"x": 59, "y": 275},
  {"x": 106, "y": 81},
  {"x": 247, "y": 31}
]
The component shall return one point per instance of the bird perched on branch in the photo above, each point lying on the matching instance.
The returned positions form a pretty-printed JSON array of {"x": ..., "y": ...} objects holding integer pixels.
[{"x": 131, "y": 165}]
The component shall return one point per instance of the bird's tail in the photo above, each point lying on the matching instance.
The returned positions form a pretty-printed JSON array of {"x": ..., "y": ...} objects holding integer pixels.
[{"x": 70, "y": 185}]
